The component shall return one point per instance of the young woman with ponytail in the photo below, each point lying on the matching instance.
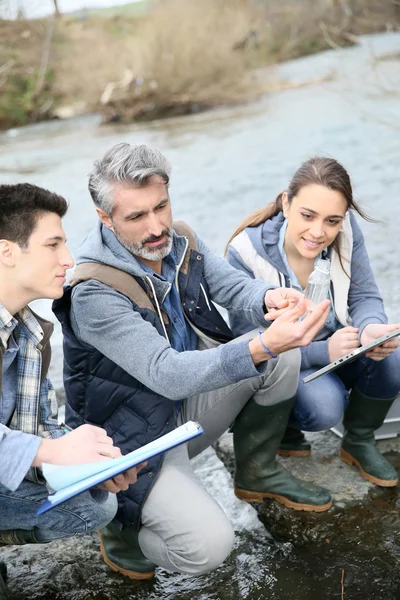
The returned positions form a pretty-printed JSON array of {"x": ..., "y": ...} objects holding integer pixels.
[{"x": 313, "y": 218}]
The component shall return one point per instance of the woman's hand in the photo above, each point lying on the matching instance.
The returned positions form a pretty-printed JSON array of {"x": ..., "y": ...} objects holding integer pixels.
[
  {"x": 375, "y": 330},
  {"x": 280, "y": 299},
  {"x": 342, "y": 342}
]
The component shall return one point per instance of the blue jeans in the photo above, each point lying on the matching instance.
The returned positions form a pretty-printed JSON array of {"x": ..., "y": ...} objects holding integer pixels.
[
  {"x": 320, "y": 403},
  {"x": 77, "y": 516}
]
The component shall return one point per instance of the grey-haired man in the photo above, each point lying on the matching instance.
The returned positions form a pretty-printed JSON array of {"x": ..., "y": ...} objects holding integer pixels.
[{"x": 146, "y": 349}]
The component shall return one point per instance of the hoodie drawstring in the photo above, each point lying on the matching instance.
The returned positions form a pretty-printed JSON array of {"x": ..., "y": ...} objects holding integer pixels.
[
  {"x": 158, "y": 308},
  {"x": 205, "y": 296}
]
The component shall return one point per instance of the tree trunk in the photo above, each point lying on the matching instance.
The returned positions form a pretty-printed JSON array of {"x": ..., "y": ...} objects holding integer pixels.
[{"x": 56, "y": 9}]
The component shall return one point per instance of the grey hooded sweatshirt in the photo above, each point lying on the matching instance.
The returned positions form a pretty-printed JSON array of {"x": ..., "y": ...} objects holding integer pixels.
[{"x": 104, "y": 318}]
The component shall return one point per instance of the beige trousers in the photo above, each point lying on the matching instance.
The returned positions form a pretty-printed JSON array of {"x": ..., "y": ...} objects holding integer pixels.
[{"x": 183, "y": 527}]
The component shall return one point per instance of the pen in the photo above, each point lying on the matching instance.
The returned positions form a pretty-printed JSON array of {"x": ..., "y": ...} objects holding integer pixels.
[{"x": 65, "y": 428}]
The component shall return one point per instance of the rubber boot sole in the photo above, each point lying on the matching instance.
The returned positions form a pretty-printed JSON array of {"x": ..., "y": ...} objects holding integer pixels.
[
  {"x": 131, "y": 574},
  {"x": 295, "y": 453},
  {"x": 350, "y": 460},
  {"x": 258, "y": 497}
]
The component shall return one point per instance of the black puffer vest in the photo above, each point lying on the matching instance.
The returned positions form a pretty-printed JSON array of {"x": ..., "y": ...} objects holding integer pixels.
[{"x": 100, "y": 392}]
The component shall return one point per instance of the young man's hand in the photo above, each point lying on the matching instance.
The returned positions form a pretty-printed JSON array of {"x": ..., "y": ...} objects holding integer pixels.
[
  {"x": 287, "y": 332},
  {"x": 85, "y": 444}
]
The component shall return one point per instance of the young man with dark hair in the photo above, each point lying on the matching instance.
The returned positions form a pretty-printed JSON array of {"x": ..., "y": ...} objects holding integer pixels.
[{"x": 33, "y": 263}]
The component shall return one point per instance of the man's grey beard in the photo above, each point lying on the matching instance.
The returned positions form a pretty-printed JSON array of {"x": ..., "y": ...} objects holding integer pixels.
[{"x": 139, "y": 249}]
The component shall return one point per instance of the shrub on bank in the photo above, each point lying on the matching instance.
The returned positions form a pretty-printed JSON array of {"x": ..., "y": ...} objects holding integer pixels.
[{"x": 180, "y": 56}]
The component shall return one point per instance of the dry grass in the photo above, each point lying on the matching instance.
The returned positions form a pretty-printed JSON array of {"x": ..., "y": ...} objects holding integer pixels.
[
  {"x": 195, "y": 54},
  {"x": 184, "y": 59},
  {"x": 25, "y": 85},
  {"x": 185, "y": 55},
  {"x": 187, "y": 45},
  {"x": 90, "y": 53},
  {"x": 182, "y": 51}
]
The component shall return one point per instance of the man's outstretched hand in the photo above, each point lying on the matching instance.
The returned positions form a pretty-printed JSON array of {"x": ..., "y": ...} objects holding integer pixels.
[{"x": 287, "y": 332}]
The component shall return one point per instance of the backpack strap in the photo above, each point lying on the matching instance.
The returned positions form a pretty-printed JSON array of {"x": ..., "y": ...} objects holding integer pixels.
[
  {"x": 127, "y": 284},
  {"x": 182, "y": 228},
  {"x": 118, "y": 280}
]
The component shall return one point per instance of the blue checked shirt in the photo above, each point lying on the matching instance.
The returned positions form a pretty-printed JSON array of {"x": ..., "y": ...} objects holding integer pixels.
[{"x": 28, "y": 410}]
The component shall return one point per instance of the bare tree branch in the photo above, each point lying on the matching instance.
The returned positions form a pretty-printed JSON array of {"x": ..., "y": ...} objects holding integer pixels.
[
  {"x": 57, "y": 12},
  {"x": 45, "y": 56}
]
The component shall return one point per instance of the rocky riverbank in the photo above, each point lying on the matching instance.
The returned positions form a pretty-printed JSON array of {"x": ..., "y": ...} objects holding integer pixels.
[{"x": 352, "y": 549}]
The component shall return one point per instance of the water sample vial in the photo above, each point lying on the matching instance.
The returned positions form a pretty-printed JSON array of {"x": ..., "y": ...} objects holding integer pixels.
[{"x": 319, "y": 281}]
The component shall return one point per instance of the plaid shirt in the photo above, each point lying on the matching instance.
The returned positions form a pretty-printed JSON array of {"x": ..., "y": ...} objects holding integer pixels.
[{"x": 36, "y": 405}]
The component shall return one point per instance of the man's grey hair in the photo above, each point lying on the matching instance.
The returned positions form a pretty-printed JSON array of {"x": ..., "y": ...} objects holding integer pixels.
[{"x": 126, "y": 166}]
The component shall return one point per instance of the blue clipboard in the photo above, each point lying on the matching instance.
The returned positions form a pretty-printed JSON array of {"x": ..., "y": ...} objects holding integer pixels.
[{"x": 113, "y": 467}]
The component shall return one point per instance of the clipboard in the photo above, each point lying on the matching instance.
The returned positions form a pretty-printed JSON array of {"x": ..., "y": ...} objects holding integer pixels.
[
  {"x": 84, "y": 477},
  {"x": 352, "y": 355}
]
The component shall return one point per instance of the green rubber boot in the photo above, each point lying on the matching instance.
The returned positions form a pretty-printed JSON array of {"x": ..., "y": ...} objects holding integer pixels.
[
  {"x": 362, "y": 418},
  {"x": 294, "y": 443},
  {"x": 257, "y": 433},
  {"x": 121, "y": 551},
  {"x": 3, "y": 579}
]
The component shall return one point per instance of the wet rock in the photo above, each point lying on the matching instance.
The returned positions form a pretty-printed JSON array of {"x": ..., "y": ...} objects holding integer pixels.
[
  {"x": 73, "y": 569},
  {"x": 69, "y": 111},
  {"x": 305, "y": 558}
]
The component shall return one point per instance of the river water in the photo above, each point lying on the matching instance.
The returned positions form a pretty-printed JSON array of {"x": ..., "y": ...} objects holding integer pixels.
[{"x": 227, "y": 163}]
